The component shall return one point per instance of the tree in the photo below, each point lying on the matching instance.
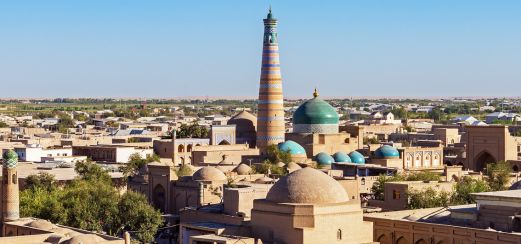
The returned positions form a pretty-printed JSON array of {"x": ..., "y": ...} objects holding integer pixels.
[
  {"x": 436, "y": 114},
  {"x": 39, "y": 203},
  {"x": 370, "y": 140},
  {"x": 3, "y": 124},
  {"x": 42, "y": 180},
  {"x": 275, "y": 155},
  {"x": 400, "y": 113},
  {"x": 192, "y": 131},
  {"x": 90, "y": 171},
  {"x": 268, "y": 166},
  {"x": 135, "y": 162},
  {"x": 93, "y": 205},
  {"x": 378, "y": 188},
  {"x": 498, "y": 175},
  {"x": 428, "y": 198},
  {"x": 464, "y": 188},
  {"x": 423, "y": 176},
  {"x": 65, "y": 123},
  {"x": 135, "y": 214},
  {"x": 184, "y": 170}
]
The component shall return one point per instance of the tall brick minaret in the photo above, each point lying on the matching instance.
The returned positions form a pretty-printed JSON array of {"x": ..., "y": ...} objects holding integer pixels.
[
  {"x": 270, "y": 117},
  {"x": 10, "y": 188}
]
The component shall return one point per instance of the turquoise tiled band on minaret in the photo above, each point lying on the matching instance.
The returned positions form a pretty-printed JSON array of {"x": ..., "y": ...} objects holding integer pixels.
[{"x": 270, "y": 117}]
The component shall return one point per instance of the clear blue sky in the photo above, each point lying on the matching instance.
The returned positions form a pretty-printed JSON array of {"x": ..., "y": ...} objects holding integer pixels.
[{"x": 124, "y": 48}]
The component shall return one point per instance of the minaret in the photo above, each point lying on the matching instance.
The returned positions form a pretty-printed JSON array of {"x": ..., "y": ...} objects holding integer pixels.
[
  {"x": 270, "y": 117},
  {"x": 10, "y": 188}
]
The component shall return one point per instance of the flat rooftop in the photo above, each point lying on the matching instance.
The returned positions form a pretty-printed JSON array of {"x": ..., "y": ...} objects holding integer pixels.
[
  {"x": 511, "y": 194},
  {"x": 60, "y": 174}
]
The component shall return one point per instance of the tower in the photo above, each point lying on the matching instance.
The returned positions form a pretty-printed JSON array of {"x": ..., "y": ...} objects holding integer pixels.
[
  {"x": 10, "y": 188},
  {"x": 270, "y": 119}
]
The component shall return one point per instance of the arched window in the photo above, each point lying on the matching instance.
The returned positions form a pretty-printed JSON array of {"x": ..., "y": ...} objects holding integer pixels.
[
  {"x": 181, "y": 148},
  {"x": 189, "y": 148},
  {"x": 14, "y": 179},
  {"x": 339, "y": 234}
]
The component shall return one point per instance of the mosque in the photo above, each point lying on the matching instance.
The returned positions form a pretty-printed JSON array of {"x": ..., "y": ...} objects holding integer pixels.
[{"x": 305, "y": 206}]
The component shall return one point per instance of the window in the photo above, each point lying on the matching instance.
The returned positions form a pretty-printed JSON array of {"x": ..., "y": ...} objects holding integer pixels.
[
  {"x": 396, "y": 194},
  {"x": 14, "y": 178},
  {"x": 339, "y": 234}
]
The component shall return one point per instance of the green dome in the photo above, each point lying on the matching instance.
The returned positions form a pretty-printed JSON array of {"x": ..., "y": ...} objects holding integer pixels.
[
  {"x": 386, "y": 151},
  {"x": 341, "y": 157},
  {"x": 315, "y": 111},
  {"x": 357, "y": 157},
  {"x": 324, "y": 159},
  {"x": 10, "y": 159},
  {"x": 292, "y": 147}
]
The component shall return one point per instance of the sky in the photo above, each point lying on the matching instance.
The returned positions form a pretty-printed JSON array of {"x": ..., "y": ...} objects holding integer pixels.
[{"x": 175, "y": 49}]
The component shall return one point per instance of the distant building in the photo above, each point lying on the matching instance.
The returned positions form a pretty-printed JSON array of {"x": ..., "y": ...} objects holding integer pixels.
[
  {"x": 500, "y": 116},
  {"x": 110, "y": 153}
]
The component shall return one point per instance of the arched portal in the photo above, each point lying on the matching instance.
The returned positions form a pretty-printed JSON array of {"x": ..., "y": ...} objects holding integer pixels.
[
  {"x": 384, "y": 239},
  {"x": 224, "y": 142},
  {"x": 402, "y": 240},
  {"x": 421, "y": 241},
  {"x": 483, "y": 159},
  {"x": 515, "y": 168},
  {"x": 158, "y": 198}
]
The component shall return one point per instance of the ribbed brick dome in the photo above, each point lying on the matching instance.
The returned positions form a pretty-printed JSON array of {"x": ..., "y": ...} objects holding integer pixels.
[{"x": 307, "y": 185}]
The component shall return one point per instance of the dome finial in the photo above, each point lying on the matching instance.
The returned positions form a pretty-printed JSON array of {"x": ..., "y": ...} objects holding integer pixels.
[
  {"x": 270, "y": 16},
  {"x": 315, "y": 93}
]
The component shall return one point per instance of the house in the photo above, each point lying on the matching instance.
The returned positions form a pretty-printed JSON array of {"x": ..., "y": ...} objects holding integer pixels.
[{"x": 501, "y": 116}]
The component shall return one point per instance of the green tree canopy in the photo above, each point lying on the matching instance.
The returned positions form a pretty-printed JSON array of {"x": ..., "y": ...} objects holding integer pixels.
[
  {"x": 135, "y": 162},
  {"x": 465, "y": 187},
  {"x": 275, "y": 155},
  {"x": 498, "y": 175},
  {"x": 428, "y": 198},
  {"x": 42, "y": 180},
  {"x": 91, "y": 202},
  {"x": 192, "y": 131},
  {"x": 90, "y": 171}
]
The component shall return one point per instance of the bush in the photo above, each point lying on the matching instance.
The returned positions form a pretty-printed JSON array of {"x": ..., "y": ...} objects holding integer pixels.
[
  {"x": 429, "y": 198},
  {"x": 498, "y": 176},
  {"x": 464, "y": 188},
  {"x": 267, "y": 166},
  {"x": 378, "y": 186},
  {"x": 423, "y": 176}
]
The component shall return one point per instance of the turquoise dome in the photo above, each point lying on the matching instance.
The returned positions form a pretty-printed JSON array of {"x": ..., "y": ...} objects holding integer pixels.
[
  {"x": 324, "y": 159},
  {"x": 386, "y": 151},
  {"x": 292, "y": 147},
  {"x": 10, "y": 159},
  {"x": 341, "y": 157},
  {"x": 357, "y": 157},
  {"x": 315, "y": 111}
]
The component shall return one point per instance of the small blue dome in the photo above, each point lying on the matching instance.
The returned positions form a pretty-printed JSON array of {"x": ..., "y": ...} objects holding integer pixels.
[
  {"x": 292, "y": 147},
  {"x": 341, "y": 157},
  {"x": 324, "y": 159},
  {"x": 357, "y": 157},
  {"x": 386, "y": 151}
]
